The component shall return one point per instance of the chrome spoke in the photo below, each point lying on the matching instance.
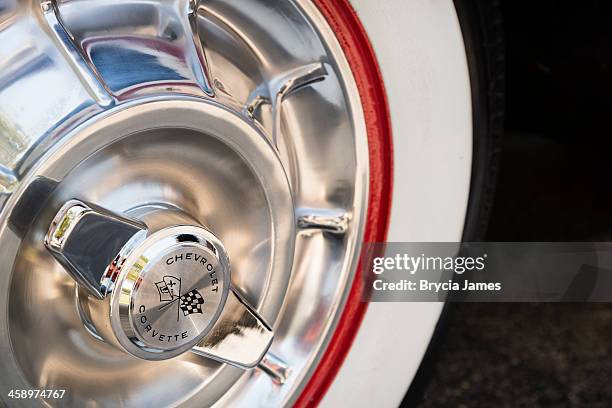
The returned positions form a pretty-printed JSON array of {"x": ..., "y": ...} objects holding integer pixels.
[
  {"x": 160, "y": 53},
  {"x": 289, "y": 83},
  {"x": 81, "y": 66},
  {"x": 333, "y": 221},
  {"x": 282, "y": 86},
  {"x": 276, "y": 368},
  {"x": 199, "y": 63},
  {"x": 293, "y": 80},
  {"x": 37, "y": 54}
]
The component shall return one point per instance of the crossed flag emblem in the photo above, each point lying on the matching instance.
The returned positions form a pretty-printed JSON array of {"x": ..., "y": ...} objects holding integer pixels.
[{"x": 169, "y": 289}]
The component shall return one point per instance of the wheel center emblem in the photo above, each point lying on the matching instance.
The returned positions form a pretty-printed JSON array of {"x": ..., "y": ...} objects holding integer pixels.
[
  {"x": 175, "y": 296},
  {"x": 169, "y": 289}
]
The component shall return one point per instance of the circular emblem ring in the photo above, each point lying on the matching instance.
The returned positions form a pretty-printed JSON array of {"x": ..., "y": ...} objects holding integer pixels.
[{"x": 171, "y": 290}]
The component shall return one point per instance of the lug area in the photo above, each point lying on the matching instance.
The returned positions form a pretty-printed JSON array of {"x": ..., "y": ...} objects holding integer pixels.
[{"x": 158, "y": 286}]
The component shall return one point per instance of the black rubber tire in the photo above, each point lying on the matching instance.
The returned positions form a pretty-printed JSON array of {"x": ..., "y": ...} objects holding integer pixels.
[
  {"x": 482, "y": 29},
  {"x": 483, "y": 33}
]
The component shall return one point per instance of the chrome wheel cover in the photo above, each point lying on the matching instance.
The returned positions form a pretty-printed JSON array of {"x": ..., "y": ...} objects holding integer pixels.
[{"x": 243, "y": 114}]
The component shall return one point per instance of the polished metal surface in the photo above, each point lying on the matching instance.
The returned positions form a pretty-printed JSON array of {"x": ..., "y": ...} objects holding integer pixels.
[
  {"x": 333, "y": 221},
  {"x": 167, "y": 292},
  {"x": 160, "y": 283},
  {"x": 79, "y": 62},
  {"x": 240, "y": 337},
  {"x": 241, "y": 114},
  {"x": 275, "y": 368},
  {"x": 87, "y": 241}
]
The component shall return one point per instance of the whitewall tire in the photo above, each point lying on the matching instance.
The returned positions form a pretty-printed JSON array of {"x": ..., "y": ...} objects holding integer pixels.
[{"x": 424, "y": 67}]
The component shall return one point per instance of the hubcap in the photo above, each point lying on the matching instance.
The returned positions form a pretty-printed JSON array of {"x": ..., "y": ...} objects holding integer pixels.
[
  {"x": 158, "y": 291},
  {"x": 176, "y": 297},
  {"x": 183, "y": 191}
]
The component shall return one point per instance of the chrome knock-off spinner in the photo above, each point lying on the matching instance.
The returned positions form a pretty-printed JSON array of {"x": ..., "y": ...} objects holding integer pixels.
[{"x": 155, "y": 289}]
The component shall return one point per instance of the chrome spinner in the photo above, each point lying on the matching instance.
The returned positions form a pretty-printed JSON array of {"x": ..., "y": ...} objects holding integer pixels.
[{"x": 156, "y": 293}]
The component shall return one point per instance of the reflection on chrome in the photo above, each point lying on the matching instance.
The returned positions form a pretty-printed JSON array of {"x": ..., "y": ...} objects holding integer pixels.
[{"x": 183, "y": 130}]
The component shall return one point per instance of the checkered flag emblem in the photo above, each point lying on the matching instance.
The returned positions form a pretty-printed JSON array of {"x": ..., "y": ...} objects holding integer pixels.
[{"x": 191, "y": 302}]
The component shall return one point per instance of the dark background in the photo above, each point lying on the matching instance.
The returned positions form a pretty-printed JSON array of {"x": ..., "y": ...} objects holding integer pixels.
[{"x": 555, "y": 184}]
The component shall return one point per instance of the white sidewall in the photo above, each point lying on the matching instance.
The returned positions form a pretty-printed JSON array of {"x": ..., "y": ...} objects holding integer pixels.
[{"x": 420, "y": 50}]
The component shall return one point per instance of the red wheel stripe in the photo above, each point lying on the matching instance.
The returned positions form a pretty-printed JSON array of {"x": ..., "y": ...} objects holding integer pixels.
[{"x": 351, "y": 35}]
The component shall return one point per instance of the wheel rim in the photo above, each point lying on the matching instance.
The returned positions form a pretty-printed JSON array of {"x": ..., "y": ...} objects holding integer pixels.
[{"x": 256, "y": 74}]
